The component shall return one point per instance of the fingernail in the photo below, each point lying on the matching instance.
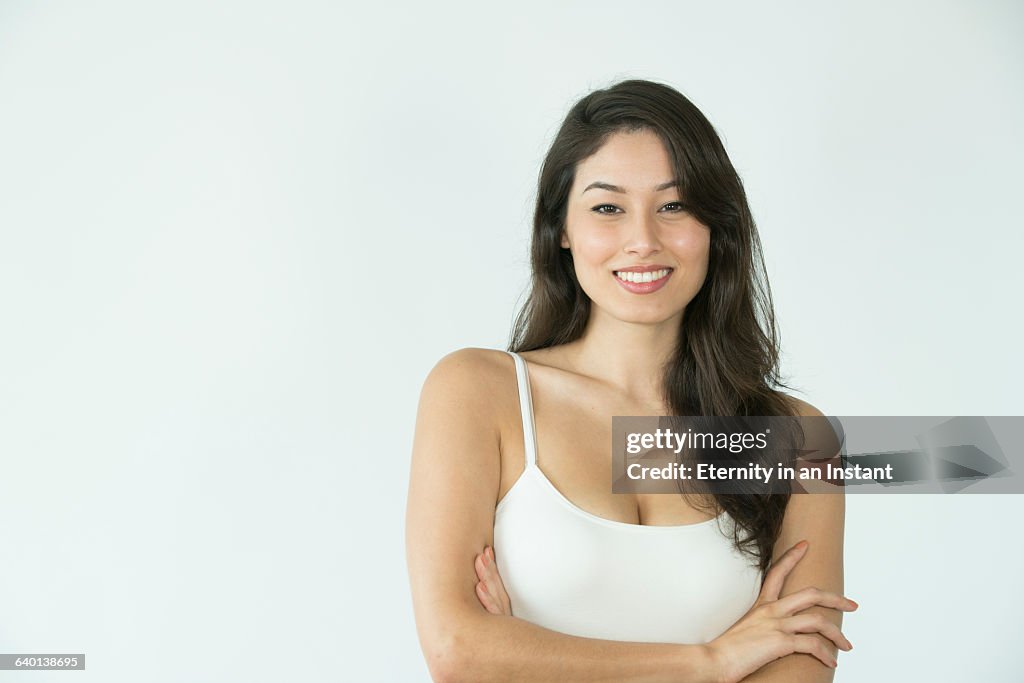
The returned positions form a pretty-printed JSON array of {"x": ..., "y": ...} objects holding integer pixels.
[
  {"x": 802, "y": 544},
  {"x": 855, "y": 605}
]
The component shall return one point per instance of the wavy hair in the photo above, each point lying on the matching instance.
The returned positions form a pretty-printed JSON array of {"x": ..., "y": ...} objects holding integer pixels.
[{"x": 726, "y": 360}]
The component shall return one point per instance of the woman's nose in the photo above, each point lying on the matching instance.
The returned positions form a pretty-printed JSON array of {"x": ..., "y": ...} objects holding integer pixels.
[{"x": 642, "y": 235}]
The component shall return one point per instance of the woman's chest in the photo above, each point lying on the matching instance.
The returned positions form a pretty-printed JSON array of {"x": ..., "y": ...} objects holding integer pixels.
[
  {"x": 574, "y": 452},
  {"x": 595, "y": 578}
]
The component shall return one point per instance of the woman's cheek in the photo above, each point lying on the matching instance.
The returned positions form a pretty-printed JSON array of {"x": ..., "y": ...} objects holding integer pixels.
[
  {"x": 694, "y": 248},
  {"x": 599, "y": 251}
]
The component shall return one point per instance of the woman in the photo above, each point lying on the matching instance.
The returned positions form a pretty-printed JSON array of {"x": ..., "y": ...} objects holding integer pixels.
[{"x": 645, "y": 301}]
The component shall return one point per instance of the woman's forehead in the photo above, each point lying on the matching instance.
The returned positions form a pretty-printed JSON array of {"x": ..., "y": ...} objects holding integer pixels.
[{"x": 628, "y": 161}]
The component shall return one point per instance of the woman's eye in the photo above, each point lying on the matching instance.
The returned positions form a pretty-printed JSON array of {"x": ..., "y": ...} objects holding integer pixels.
[
  {"x": 674, "y": 207},
  {"x": 605, "y": 209}
]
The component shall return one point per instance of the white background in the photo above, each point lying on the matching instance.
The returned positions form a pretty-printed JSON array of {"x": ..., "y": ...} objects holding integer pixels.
[{"x": 235, "y": 237}]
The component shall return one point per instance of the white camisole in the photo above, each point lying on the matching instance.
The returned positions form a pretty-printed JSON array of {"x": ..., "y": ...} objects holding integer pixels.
[{"x": 580, "y": 574}]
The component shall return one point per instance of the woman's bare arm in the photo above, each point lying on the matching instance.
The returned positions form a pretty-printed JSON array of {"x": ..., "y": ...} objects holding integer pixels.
[
  {"x": 453, "y": 490},
  {"x": 819, "y": 518},
  {"x": 774, "y": 627}
]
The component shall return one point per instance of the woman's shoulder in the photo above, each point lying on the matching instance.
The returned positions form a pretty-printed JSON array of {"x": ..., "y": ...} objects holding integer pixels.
[
  {"x": 473, "y": 363},
  {"x": 471, "y": 373},
  {"x": 818, "y": 431},
  {"x": 472, "y": 391},
  {"x": 801, "y": 408}
]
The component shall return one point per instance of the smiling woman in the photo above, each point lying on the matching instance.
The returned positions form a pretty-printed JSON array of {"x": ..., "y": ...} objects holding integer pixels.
[
  {"x": 648, "y": 298},
  {"x": 624, "y": 230}
]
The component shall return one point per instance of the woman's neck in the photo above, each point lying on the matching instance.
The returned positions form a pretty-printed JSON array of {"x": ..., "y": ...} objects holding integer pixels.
[{"x": 630, "y": 356}]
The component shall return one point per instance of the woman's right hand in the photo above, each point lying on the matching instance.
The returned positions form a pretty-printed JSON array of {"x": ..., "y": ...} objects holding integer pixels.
[{"x": 772, "y": 628}]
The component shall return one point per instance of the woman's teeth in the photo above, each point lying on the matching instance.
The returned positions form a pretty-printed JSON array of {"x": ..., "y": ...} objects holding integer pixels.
[{"x": 650, "y": 276}]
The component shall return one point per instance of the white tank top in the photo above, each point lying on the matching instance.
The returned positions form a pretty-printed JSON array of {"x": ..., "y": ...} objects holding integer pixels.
[{"x": 580, "y": 574}]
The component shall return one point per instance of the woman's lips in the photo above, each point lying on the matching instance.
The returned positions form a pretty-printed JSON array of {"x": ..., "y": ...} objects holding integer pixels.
[{"x": 643, "y": 287}]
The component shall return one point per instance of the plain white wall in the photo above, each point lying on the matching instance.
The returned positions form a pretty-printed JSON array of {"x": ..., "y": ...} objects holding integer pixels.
[{"x": 235, "y": 237}]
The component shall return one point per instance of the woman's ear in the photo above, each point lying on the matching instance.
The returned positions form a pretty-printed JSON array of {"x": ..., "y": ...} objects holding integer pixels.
[{"x": 565, "y": 240}]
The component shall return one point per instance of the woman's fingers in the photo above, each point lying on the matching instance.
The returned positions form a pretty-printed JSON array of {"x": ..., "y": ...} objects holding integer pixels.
[
  {"x": 809, "y": 597},
  {"x": 776, "y": 576},
  {"x": 500, "y": 592},
  {"x": 489, "y": 588},
  {"x": 816, "y": 647},
  {"x": 484, "y": 591},
  {"x": 777, "y": 626},
  {"x": 817, "y": 623},
  {"x": 485, "y": 598}
]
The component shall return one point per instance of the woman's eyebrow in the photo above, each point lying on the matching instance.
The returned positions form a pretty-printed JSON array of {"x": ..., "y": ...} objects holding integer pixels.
[{"x": 615, "y": 188}]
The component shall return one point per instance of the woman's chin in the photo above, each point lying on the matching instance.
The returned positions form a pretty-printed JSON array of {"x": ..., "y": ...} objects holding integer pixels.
[{"x": 645, "y": 315}]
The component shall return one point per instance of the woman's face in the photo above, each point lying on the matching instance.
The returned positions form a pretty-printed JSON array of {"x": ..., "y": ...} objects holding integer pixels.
[{"x": 624, "y": 213}]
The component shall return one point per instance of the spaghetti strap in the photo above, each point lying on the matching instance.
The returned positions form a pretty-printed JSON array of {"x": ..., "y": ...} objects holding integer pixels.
[{"x": 526, "y": 408}]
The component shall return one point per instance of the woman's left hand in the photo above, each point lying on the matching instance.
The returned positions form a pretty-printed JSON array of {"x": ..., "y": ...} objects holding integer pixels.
[{"x": 490, "y": 591}]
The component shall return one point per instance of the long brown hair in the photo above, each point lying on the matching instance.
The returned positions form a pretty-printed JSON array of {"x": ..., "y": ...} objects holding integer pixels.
[{"x": 726, "y": 361}]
